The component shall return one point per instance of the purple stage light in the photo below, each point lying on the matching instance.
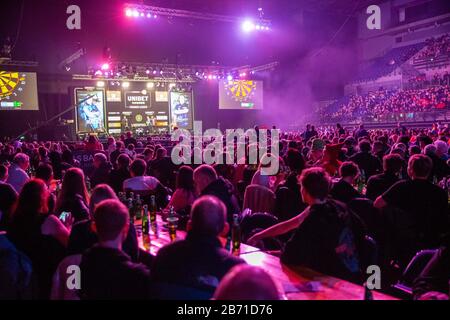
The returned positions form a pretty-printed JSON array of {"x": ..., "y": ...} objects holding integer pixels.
[
  {"x": 149, "y": 15},
  {"x": 155, "y": 16},
  {"x": 105, "y": 66},
  {"x": 154, "y": 71},
  {"x": 98, "y": 73},
  {"x": 230, "y": 78},
  {"x": 135, "y": 13},
  {"x": 142, "y": 14}
]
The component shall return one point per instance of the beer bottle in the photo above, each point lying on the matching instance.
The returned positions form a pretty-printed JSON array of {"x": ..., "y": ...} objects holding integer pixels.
[
  {"x": 145, "y": 228},
  {"x": 138, "y": 207},
  {"x": 130, "y": 210},
  {"x": 236, "y": 236},
  {"x": 153, "y": 210},
  {"x": 172, "y": 222}
]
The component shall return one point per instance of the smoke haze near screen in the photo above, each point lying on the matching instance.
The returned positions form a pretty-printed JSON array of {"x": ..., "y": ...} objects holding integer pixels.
[
  {"x": 241, "y": 94},
  {"x": 18, "y": 91}
]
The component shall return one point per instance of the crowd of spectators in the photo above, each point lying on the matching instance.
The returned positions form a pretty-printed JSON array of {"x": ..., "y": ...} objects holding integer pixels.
[
  {"x": 335, "y": 188},
  {"x": 436, "y": 47},
  {"x": 378, "y": 104}
]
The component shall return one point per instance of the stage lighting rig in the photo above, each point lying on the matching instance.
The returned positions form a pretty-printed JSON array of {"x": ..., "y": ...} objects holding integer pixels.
[{"x": 145, "y": 11}]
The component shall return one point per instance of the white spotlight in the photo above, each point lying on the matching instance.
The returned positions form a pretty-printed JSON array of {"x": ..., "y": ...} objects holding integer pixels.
[
  {"x": 125, "y": 85},
  {"x": 100, "y": 84},
  {"x": 150, "y": 85}
]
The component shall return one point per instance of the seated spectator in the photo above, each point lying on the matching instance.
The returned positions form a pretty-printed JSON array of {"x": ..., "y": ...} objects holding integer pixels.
[
  {"x": 45, "y": 173},
  {"x": 207, "y": 183},
  {"x": 38, "y": 234},
  {"x": 102, "y": 168},
  {"x": 162, "y": 168},
  {"x": 17, "y": 176},
  {"x": 8, "y": 198},
  {"x": 245, "y": 282},
  {"x": 199, "y": 261},
  {"x": 73, "y": 196},
  {"x": 184, "y": 195},
  {"x": 120, "y": 148},
  {"x": 368, "y": 164},
  {"x": 423, "y": 205},
  {"x": 380, "y": 183},
  {"x": 130, "y": 151},
  {"x": 109, "y": 273},
  {"x": 68, "y": 161},
  {"x": 327, "y": 237},
  {"x": 119, "y": 175},
  {"x": 83, "y": 235},
  {"x": 15, "y": 272},
  {"x": 138, "y": 180},
  {"x": 433, "y": 282},
  {"x": 130, "y": 139},
  {"x": 93, "y": 144},
  {"x": 343, "y": 190}
]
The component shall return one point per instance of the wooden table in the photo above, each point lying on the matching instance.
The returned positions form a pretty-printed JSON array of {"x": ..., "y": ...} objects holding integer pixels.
[{"x": 299, "y": 283}]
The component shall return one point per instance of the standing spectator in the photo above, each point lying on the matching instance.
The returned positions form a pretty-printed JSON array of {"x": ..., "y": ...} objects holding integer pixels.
[
  {"x": 120, "y": 148},
  {"x": 130, "y": 139},
  {"x": 8, "y": 198}
]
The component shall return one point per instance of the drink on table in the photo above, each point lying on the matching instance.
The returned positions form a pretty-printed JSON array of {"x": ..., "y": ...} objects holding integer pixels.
[
  {"x": 153, "y": 220},
  {"x": 172, "y": 222},
  {"x": 236, "y": 236},
  {"x": 146, "y": 228},
  {"x": 130, "y": 210},
  {"x": 138, "y": 208}
]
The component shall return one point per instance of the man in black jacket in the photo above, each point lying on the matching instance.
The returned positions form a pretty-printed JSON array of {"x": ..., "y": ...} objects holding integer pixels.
[
  {"x": 380, "y": 183},
  {"x": 208, "y": 183},
  {"x": 102, "y": 169},
  {"x": 199, "y": 261},
  {"x": 368, "y": 164},
  {"x": 343, "y": 190},
  {"x": 107, "y": 272}
]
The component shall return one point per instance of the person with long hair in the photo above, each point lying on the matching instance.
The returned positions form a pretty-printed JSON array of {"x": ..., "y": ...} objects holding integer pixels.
[
  {"x": 37, "y": 233},
  {"x": 184, "y": 194},
  {"x": 73, "y": 197}
]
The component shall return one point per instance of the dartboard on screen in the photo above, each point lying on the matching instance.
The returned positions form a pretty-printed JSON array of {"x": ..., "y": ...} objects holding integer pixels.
[
  {"x": 18, "y": 91},
  {"x": 11, "y": 83},
  {"x": 240, "y": 90}
]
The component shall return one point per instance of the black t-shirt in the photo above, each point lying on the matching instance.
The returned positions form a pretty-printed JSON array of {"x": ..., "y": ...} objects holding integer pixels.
[
  {"x": 379, "y": 184},
  {"x": 344, "y": 192},
  {"x": 425, "y": 206}
]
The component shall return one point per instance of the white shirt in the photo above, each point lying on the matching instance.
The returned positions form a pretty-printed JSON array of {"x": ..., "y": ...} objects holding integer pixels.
[
  {"x": 141, "y": 183},
  {"x": 17, "y": 178}
]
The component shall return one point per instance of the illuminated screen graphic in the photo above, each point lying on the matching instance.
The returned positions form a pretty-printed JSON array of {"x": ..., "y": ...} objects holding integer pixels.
[
  {"x": 241, "y": 94},
  {"x": 90, "y": 110},
  {"x": 18, "y": 91}
]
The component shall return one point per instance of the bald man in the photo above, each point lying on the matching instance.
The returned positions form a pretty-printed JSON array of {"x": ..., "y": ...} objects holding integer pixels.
[
  {"x": 246, "y": 282},
  {"x": 199, "y": 261},
  {"x": 208, "y": 183}
]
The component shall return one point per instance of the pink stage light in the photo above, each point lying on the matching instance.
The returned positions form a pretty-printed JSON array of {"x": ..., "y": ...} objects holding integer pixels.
[
  {"x": 128, "y": 12},
  {"x": 210, "y": 77},
  {"x": 135, "y": 13},
  {"x": 149, "y": 15},
  {"x": 155, "y": 16},
  {"x": 105, "y": 66}
]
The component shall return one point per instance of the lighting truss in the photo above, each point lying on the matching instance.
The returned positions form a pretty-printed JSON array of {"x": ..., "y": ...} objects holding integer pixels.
[
  {"x": 188, "y": 14},
  {"x": 15, "y": 63}
]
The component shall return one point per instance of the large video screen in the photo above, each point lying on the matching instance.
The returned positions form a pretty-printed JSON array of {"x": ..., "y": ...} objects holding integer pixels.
[
  {"x": 18, "y": 91},
  {"x": 137, "y": 109},
  {"x": 241, "y": 94},
  {"x": 90, "y": 115},
  {"x": 181, "y": 110}
]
